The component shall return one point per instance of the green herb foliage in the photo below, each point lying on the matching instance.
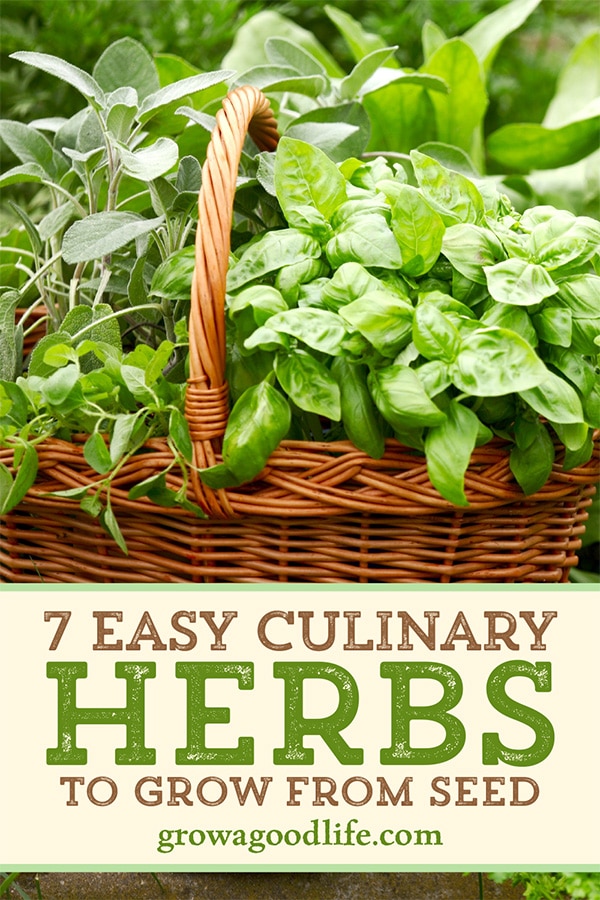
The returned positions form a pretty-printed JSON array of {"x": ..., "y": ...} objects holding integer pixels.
[{"x": 437, "y": 314}]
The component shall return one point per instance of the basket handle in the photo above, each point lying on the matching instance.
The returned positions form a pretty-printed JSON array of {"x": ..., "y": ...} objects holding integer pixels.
[{"x": 244, "y": 110}]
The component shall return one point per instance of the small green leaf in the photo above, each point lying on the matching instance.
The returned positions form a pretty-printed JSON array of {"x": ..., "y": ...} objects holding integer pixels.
[
  {"x": 120, "y": 442},
  {"x": 109, "y": 522},
  {"x": 173, "y": 277},
  {"x": 6, "y": 483},
  {"x": 575, "y": 458},
  {"x": 257, "y": 423},
  {"x": 158, "y": 362},
  {"x": 361, "y": 420},
  {"x": 59, "y": 355},
  {"x": 572, "y": 434},
  {"x": 142, "y": 487},
  {"x": 383, "y": 318},
  {"x": 75, "y": 493},
  {"x": 24, "y": 478},
  {"x": 96, "y": 454},
  {"x": 57, "y": 387},
  {"x": 554, "y": 326},
  {"x": 271, "y": 251},
  {"x": 418, "y": 229},
  {"x": 469, "y": 248},
  {"x": 180, "y": 432},
  {"x": 92, "y": 505}
]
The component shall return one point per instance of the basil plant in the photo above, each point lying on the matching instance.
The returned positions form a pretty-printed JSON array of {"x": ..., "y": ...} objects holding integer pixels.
[{"x": 411, "y": 304}]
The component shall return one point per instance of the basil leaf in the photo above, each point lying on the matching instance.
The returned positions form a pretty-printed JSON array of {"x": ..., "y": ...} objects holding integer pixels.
[
  {"x": 515, "y": 318},
  {"x": 555, "y": 399},
  {"x": 383, "y": 318},
  {"x": 360, "y": 418},
  {"x": 257, "y": 423},
  {"x": 306, "y": 177},
  {"x": 317, "y": 328},
  {"x": 451, "y": 194},
  {"x": 591, "y": 406},
  {"x": 291, "y": 278},
  {"x": 348, "y": 283},
  {"x": 581, "y": 293},
  {"x": 271, "y": 251},
  {"x": 401, "y": 398},
  {"x": 496, "y": 361},
  {"x": 554, "y": 326},
  {"x": 531, "y": 462},
  {"x": 418, "y": 229},
  {"x": 308, "y": 383},
  {"x": 575, "y": 458},
  {"x": 434, "y": 335},
  {"x": 564, "y": 241},
  {"x": 448, "y": 448},
  {"x": 519, "y": 282},
  {"x": 572, "y": 434},
  {"x": 577, "y": 369},
  {"x": 469, "y": 248},
  {"x": 264, "y": 301},
  {"x": 173, "y": 277},
  {"x": 366, "y": 239},
  {"x": 434, "y": 376}
]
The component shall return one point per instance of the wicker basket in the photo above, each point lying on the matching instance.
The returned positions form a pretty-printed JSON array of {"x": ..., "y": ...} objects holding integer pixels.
[{"x": 319, "y": 512}]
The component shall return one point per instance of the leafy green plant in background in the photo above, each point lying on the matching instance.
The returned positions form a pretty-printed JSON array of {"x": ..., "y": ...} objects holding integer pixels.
[
  {"x": 553, "y": 886},
  {"x": 112, "y": 215},
  {"x": 441, "y": 105}
]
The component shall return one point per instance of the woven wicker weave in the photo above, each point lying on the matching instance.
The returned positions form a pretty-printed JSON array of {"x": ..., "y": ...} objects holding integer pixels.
[{"x": 319, "y": 512}]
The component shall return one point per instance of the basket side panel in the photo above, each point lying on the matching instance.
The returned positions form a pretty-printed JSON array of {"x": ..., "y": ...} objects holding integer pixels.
[{"x": 524, "y": 542}]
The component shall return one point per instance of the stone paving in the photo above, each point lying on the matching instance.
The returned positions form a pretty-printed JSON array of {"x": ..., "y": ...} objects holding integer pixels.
[{"x": 265, "y": 886}]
